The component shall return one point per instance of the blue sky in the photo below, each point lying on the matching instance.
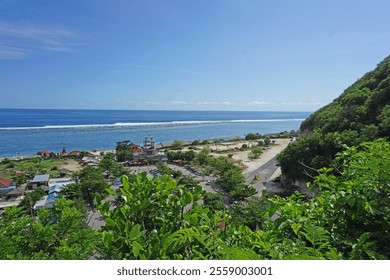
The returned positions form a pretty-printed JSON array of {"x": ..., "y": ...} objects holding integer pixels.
[{"x": 187, "y": 54}]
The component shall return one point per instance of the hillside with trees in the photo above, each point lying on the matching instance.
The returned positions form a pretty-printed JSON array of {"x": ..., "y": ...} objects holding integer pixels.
[
  {"x": 361, "y": 113},
  {"x": 343, "y": 156},
  {"x": 347, "y": 219}
]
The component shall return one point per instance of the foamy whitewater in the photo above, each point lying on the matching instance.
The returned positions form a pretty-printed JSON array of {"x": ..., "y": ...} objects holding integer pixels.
[{"x": 27, "y": 131}]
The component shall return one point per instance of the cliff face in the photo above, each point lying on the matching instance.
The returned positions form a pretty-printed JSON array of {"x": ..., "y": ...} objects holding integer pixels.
[
  {"x": 361, "y": 113},
  {"x": 360, "y": 105}
]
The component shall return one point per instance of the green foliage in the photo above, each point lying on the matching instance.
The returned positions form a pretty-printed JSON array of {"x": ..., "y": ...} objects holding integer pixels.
[
  {"x": 187, "y": 156},
  {"x": 107, "y": 162},
  {"x": 30, "y": 199},
  {"x": 305, "y": 155},
  {"x": 57, "y": 234},
  {"x": 155, "y": 207},
  {"x": 151, "y": 223},
  {"x": 113, "y": 168},
  {"x": 124, "y": 152},
  {"x": 177, "y": 144},
  {"x": 251, "y": 212},
  {"x": 363, "y": 197},
  {"x": 72, "y": 191},
  {"x": 91, "y": 183},
  {"x": 351, "y": 212},
  {"x": 360, "y": 114},
  {"x": 195, "y": 143},
  {"x": 33, "y": 166},
  {"x": 242, "y": 191},
  {"x": 267, "y": 140},
  {"x": 384, "y": 120},
  {"x": 214, "y": 202},
  {"x": 230, "y": 178},
  {"x": 255, "y": 153},
  {"x": 203, "y": 156},
  {"x": 252, "y": 136}
]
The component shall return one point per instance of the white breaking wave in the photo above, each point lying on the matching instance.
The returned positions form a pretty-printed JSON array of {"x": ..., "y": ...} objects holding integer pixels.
[{"x": 147, "y": 124}]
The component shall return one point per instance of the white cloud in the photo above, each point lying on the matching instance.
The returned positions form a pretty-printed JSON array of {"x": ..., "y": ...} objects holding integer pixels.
[
  {"x": 87, "y": 105},
  {"x": 11, "y": 53},
  {"x": 301, "y": 103},
  {"x": 224, "y": 103},
  {"x": 154, "y": 103},
  {"x": 20, "y": 40},
  {"x": 124, "y": 101},
  {"x": 207, "y": 103},
  {"x": 260, "y": 103},
  {"x": 180, "y": 102}
]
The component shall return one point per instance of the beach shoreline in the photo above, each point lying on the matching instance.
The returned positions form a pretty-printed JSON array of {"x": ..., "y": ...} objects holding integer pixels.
[
  {"x": 164, "y": 145},
  {"x": 54, "y": 129},
  {"x": 219, "y": 147}
]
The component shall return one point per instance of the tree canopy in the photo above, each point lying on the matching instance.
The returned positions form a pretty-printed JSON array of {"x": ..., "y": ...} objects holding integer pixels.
[
  {"x": 347, "y": 219},
  {"x": 360, "y": 114}
]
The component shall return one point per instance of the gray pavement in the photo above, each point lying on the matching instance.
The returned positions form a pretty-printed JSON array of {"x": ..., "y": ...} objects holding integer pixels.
[{"x": 263, "y": 175}]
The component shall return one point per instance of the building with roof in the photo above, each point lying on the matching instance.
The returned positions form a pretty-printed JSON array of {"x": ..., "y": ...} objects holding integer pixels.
[
  {"x": 56, "y": 185},
  {"x": 51, "y": 200},
  {"x": 62, "y": 181},
  {"x": 89, "y": 161},
  {"x": 5, "y": 191},
  {"x": 149, "y": 152},
  {"x": 45, "y": 154},
  {"x": 16, "y": 192},
  {"x": 40, "y": 180},
  {"x": 55, "y": 188},
  {"x": 40, "y": 203},
  {"x": 5, "y": 182},
  {"x": 6, "y": 185},
  {"x": 47, "y": 201},
  {"x": 20, "y": 173},
  {"x": 74, "y": 154},
  {"x": 63, "y": 172}
]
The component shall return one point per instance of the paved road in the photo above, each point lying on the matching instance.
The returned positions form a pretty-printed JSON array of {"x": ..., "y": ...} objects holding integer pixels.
[
  {"x": 95, "y": 219},
  {"x": 263, "y": 174}
]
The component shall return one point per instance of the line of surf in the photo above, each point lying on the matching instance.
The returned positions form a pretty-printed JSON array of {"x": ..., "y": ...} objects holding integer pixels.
[{"x": 146, "y": 124}]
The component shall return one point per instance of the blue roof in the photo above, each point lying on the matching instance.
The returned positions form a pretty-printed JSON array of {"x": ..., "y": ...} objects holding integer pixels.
[
  {"x": 41, "y": 178},
  {"x": 53, "y": 196},
  {"x": 8, "y": 188},
  {"x": 117, "y": 182},
  {"x": 55, "y": 188},
  {"x": 51, "y": 199}
]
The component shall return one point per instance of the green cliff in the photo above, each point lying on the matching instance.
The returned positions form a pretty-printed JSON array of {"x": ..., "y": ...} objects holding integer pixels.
[{"x": 361, "y": 113}]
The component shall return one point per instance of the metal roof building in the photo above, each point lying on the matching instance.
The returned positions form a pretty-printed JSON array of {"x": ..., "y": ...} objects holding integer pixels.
[
  {"x": 41, "y": 178},
  {"x": 55, "y": 188}
]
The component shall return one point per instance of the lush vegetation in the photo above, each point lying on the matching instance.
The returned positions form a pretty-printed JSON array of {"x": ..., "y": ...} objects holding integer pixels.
[
  {"x": 187, "y": 156},
  {"x": 343, "y": 153},
  {"x": 230, "y": 176},
  {"x": 32, "y": 167},
  {"x": 159, "y": 218},
  {"x": 361, "y": 113},
  {"x": 124, "y": 151},
  {"x": 90, "y": 182},
  {"x": 60, "y": 233},
  {"x": 347, "y": 219}
]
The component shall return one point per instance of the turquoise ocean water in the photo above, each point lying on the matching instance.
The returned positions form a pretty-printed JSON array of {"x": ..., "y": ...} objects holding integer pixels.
[{"x": 27, "y": 131}]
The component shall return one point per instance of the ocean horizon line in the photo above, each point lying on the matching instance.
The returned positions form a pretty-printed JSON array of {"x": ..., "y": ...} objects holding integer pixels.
[
  {"x": 164, "y": 110},
  {"x": 28, "y": 131},
  {"x": 147, "y": 124}
]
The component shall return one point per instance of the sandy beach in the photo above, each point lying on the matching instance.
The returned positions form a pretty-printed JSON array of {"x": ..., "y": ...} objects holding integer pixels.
[
  {"x": 242, "y": 156},
  {"x": 269, "y": 153}
]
